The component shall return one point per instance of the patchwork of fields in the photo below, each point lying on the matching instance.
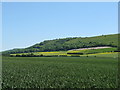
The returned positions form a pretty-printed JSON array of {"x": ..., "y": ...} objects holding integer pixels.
[
  {"x": 84, "y": 52},
  {"x": 60, "y": 72}
]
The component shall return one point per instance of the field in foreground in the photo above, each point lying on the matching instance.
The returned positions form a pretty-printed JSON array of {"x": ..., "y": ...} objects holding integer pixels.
[{"x": 59, "y": 72}]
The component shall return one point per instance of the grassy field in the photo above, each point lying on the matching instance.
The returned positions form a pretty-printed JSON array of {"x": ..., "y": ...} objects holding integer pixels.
[
  {"x": 87, "y": 51},
  {"x": 60, "y": 72}
]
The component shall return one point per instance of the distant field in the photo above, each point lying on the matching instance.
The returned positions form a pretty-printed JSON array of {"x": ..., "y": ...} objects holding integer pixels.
[
  {"x": 88, "y": 52},
  {"x": 107, "y": 54},
  {"x": 91, "y": 51},
  {"x": 60, "y": 72}
]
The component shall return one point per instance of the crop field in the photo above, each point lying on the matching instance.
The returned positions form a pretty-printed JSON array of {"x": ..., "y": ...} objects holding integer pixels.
[
  {"x": 85, "y": 52},
  {"x": 45, "y": 53},
  {"x": 59, "y": 72},
  {"x": 107, "y": 54}
]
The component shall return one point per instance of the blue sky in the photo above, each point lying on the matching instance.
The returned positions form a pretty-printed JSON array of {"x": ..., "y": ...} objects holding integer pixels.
[{"x": 25, "y": 24}]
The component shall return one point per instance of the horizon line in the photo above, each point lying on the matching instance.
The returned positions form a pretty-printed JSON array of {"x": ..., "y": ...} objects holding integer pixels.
[{"x": 55, "y": 39}]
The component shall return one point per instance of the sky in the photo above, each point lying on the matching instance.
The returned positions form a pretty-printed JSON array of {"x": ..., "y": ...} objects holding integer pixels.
[{"x": 27, "y": 23}]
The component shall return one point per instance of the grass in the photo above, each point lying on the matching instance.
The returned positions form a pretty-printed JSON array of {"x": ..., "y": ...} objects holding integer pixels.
[{"x": 59, "y": 72}]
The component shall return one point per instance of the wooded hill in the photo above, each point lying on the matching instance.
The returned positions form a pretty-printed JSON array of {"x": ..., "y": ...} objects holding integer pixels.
[{"x": 69, "y": 43}]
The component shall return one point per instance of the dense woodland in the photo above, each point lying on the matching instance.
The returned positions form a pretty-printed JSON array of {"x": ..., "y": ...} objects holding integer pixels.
[{"x": 69, "y": 43}]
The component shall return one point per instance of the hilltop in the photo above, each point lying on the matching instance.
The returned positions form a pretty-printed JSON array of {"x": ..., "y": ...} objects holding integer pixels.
[{"x": 65, "y": 44}]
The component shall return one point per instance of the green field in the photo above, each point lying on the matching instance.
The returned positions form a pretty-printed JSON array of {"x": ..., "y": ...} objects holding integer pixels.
[{"x": 60, "y": 72}]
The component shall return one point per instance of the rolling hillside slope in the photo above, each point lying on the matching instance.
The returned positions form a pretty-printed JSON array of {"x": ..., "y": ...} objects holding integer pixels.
[{"x": 70, "y": 43}]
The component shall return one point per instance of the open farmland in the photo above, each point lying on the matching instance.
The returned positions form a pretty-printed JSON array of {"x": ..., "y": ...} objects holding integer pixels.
[
  {"x": 84, "y": 52},
  {"x": 59, "y": 72}
]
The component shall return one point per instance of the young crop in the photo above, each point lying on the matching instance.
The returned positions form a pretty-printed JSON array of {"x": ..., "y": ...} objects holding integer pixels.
[{"x": 59, "y": 72}]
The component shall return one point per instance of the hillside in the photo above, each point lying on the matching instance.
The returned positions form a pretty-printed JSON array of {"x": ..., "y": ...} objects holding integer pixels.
[{"x": 70, "y": 43}]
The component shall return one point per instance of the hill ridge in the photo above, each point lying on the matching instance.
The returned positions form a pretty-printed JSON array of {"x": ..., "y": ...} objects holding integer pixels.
[{"x": 63, "y": 44}]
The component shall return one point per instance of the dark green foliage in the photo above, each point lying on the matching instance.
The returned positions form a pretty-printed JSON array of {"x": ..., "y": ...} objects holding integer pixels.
[
  {"x": 27, "y": 55},
  {"x": 76, "y": 53},
  {"x": 70, "y": 43}
]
